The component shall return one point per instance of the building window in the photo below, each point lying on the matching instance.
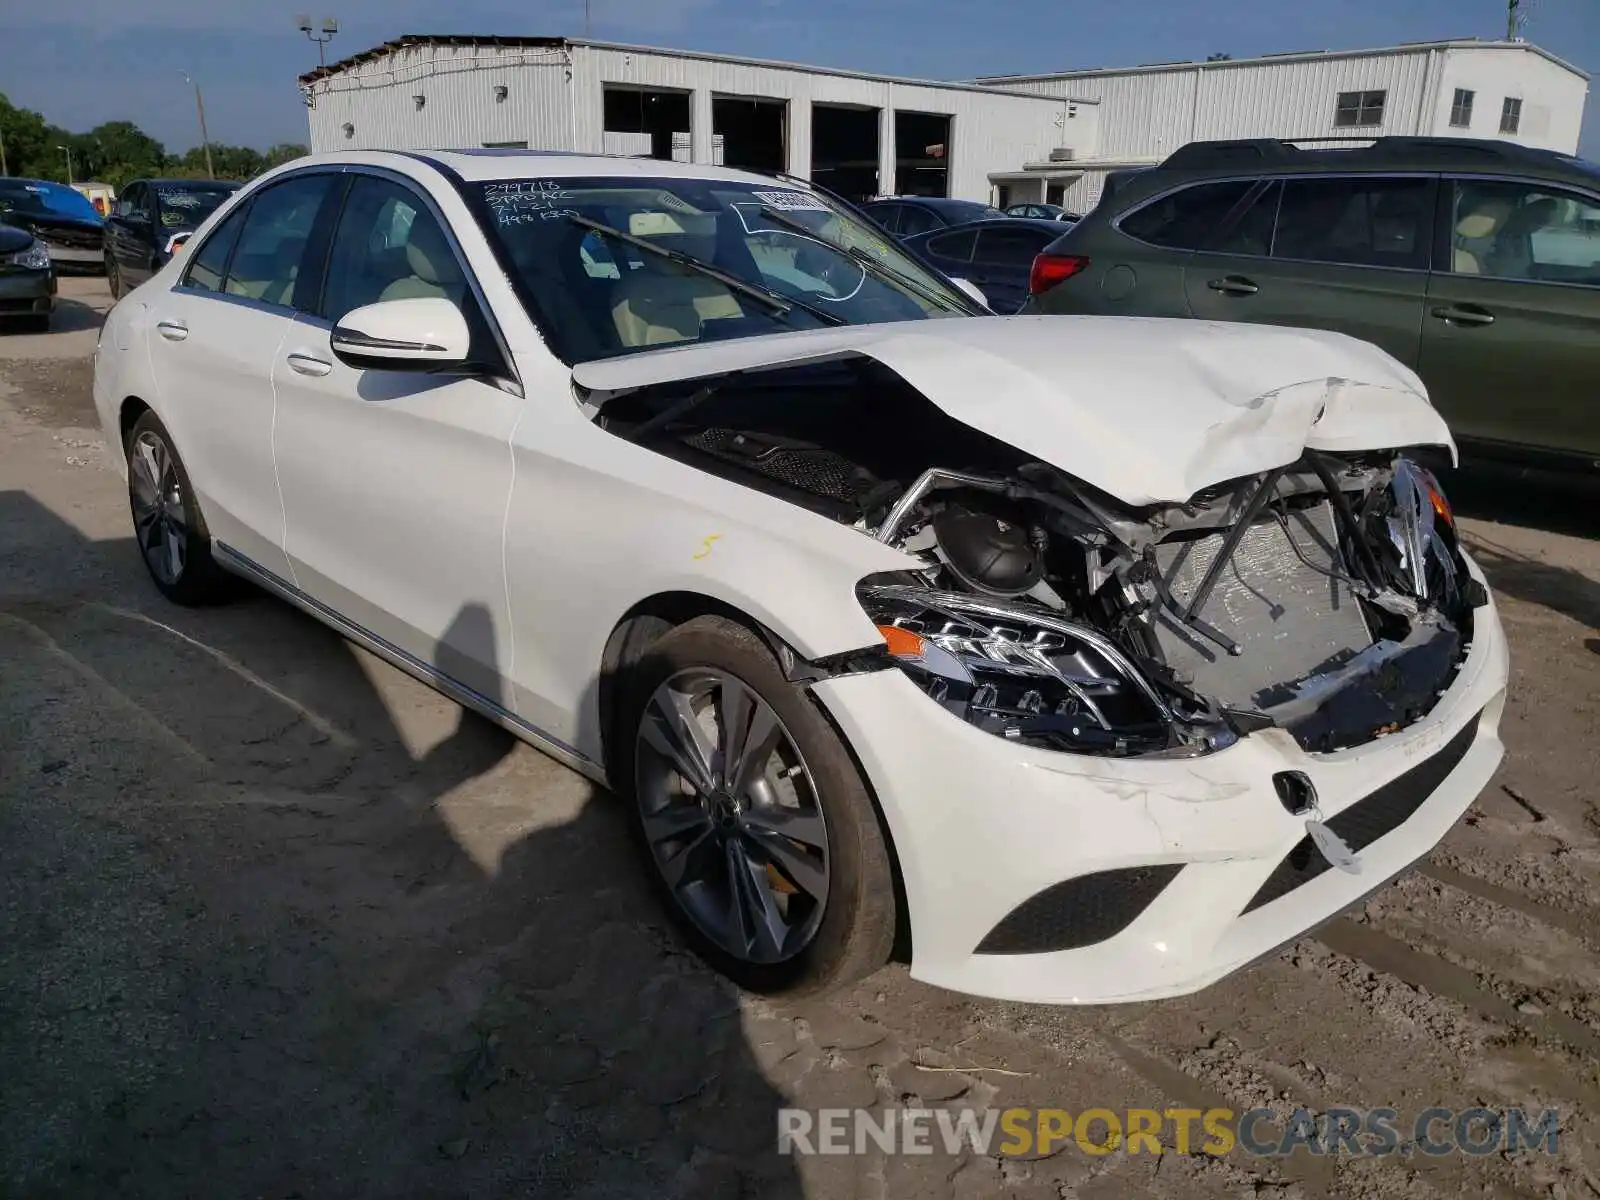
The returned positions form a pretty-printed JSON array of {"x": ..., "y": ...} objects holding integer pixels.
[
  {"x": 1461, "y": 109},
  {"x": 1359, "y": 108},
  {"x": 1511, "y": 115}
]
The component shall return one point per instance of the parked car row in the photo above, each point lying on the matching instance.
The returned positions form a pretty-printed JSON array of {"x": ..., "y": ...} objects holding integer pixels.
[
  {"x": 1092, "y": 660},
  {"x": 47, "y": 228},
  {"x": 1474, "y": 263}
]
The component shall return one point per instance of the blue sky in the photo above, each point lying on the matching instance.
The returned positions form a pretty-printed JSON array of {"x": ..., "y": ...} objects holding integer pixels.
[{"x": 81, "y": 62}]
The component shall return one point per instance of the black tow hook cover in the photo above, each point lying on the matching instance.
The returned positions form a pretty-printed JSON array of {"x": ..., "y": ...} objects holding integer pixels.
[{"x": 1295, "y": 791}]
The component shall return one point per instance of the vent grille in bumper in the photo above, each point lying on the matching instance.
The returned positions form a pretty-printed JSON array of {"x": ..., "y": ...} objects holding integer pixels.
[
  {"x": 1369, "y": 818},
  {"x": 1078, "y": 912}
]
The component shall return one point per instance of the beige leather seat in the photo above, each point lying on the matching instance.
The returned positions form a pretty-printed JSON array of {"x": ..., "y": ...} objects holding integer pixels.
[
  {"x": 1512, "y": 256},
  {"x": 434, "y": 273},
  {"x": 656, "y": 307},
  {"x": 656, "y": 303},
  {"x": 1478, "y": 225}
]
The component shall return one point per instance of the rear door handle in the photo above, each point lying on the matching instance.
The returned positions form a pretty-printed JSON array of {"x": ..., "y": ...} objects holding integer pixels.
[
  {"x": 173, "y": 331},
  {"x": 1469, "y": 314},
  {"x": 1234, "y": 285},
  {"x": 309, "y": 364}
]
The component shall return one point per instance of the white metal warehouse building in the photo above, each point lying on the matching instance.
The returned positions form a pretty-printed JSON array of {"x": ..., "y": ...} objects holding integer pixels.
[{"x": 1003, "y": 139}]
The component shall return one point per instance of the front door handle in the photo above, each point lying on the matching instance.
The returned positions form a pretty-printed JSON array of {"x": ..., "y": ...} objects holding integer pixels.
[
  {"x": 1464, "y": 314},
  {"x": 308, "y": 364},
  {"x": 173, "y": 331},
  {"x": 1233, "y": 285}
]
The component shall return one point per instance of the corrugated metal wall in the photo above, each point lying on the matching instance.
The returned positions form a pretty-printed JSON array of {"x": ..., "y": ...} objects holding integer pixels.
[
  {"x": 554, "y": 100},
  {"x": 1149, "y": 114},
  {"x": 460, "y": 104}
]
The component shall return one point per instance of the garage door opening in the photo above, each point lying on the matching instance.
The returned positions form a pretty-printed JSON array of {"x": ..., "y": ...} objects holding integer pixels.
[
  {"x": 646, "y": 124},
  {"x": 844, "y": 151},
  {"x": 921, "y": 154},
  {"x": 754, "y": 132}
]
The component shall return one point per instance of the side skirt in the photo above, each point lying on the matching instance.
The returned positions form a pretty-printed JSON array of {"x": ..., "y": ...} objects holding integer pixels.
[{"x": 564, "y": 754}]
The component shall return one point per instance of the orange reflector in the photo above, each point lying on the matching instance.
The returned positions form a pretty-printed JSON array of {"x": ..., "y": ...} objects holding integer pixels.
[
  {"x": 1441, "y": 506},
  {"x": 902, "y": 643}
]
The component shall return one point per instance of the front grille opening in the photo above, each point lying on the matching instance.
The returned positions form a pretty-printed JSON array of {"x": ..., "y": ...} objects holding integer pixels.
[{"x": 1078, "y": 912}]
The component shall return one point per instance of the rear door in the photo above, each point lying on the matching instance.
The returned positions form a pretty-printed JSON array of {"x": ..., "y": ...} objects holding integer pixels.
[
  {"x": 213, "y": 340},
  {"x": 1511, "y": 340},
  {"x": 949, "y": 252},
  {"x": 1137, "y": 260},
  {"x": 1343, "y": 253},
  {"x": 1003, "y": 259}
]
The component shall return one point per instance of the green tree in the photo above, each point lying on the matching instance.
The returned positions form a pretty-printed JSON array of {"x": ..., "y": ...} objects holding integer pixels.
[
  {"x": 117, "y": 152},
  {"x": 29, "y": 143},
  {"x": 285, "y": 152}
]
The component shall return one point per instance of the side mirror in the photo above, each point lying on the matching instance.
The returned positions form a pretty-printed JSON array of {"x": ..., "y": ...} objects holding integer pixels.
[
  {"x": 419, "y": 334},
  {"x": 973, "y": 290}
]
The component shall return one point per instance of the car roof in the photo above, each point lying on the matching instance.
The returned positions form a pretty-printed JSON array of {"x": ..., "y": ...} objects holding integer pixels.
[{"x": 479, "y": 166}]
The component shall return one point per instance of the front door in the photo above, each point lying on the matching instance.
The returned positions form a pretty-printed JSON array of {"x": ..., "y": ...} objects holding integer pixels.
[
  {"x": 1347, "y": 254},
  {"x": 395, "y": 483},
  {"x": 215, "y": 337},
  {"x": 1511, "y": 342}
]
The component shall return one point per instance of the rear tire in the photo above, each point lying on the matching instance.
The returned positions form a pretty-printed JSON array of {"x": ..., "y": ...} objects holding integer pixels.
[
  {"x": 755, "y": 836},
  {"x": 168, "y": 526}
]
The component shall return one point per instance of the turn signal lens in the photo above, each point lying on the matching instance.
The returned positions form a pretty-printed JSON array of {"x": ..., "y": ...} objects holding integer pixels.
[
  {"x": 902, "y": 643},
  {"x": 1051, "y": 269}
]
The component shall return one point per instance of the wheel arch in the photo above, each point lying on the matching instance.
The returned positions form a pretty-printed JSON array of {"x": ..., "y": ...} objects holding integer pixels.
[
  {"x": 652, "y": 619},
  {"x": 128, "y": 414}
]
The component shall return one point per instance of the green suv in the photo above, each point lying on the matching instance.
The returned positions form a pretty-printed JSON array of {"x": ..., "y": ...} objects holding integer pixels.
[{"x": 1476, "y": 263}]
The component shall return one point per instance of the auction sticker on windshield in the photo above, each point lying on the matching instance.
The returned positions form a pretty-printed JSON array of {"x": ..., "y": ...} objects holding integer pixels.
[{"x": 791, "y": 201}]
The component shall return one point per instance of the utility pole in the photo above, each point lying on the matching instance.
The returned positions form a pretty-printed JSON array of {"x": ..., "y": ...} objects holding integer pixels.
[
  {"x": 585, "y": 18},
  {"x": 67, "y": 150},
  {"x": 200, "y": 110}
]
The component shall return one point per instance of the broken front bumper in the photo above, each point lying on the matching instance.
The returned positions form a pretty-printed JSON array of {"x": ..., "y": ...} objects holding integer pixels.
[{"x": 1195, "y": 866}]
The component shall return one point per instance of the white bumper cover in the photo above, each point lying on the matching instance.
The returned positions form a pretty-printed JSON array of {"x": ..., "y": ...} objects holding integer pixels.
[{"x": 980, "y": 825}]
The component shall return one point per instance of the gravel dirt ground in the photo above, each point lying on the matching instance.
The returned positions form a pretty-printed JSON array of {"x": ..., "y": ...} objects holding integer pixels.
[{"x": 277, "y": 921}]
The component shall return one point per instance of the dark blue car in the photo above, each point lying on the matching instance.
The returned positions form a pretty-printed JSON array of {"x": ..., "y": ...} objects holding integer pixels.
[
  {"x": 907, "y": 216},
  {"x": 996, "y": 255}
]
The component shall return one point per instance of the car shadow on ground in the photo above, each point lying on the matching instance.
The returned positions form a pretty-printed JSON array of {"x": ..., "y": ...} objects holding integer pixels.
[
  {"x": 1556, "y": 504},
  {"x": 274, "y": 921}
]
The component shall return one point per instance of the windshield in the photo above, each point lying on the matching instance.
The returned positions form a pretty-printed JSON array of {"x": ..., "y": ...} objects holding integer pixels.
[
  {"x": 598, "y": 295},
  {"x": 46, "y": 200},
  {"x": 184, "y": 206}
]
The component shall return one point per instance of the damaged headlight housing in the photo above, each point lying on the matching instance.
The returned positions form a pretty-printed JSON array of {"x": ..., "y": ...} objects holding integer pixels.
[{"x": 1022, "y": 674}]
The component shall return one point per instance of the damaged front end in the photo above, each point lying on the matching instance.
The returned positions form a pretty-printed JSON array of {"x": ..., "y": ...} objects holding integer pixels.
[{"x": 1327, "y": 597}]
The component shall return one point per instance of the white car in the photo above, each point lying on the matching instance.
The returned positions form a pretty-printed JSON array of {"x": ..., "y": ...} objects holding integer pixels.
[{"x": 1096, "y": 657}]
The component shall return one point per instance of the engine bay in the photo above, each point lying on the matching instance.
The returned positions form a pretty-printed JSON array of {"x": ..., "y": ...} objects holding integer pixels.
[{"x": 1326, "y": 597}]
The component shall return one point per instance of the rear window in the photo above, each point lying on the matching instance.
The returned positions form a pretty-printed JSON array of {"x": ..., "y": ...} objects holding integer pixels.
[{"x": 1186, "y": 219}]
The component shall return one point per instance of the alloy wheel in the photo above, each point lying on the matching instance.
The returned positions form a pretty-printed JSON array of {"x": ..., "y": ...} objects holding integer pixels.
[
  {"x": 731, "y": 815},
  {"x": 159, "y": 520}
]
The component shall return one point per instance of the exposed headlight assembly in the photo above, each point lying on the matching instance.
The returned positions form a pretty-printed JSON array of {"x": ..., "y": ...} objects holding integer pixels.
[
  {"x": 34, "y": 257},
  {"x": 1025, "y": 675}
]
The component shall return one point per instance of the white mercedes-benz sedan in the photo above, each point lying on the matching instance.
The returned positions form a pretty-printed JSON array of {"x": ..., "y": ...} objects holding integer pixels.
[{"x": 1089, "y": 658}]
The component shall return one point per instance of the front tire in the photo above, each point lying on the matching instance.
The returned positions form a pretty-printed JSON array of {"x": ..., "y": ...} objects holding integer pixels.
[
  {"x": 167, "y": 523},
  {"x": 756, "y": 826},
  {"x": 113, "y": 278}
]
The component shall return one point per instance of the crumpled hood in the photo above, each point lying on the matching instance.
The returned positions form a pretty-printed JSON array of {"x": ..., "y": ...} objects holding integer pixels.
[{"x": 1147, "y": 409}]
